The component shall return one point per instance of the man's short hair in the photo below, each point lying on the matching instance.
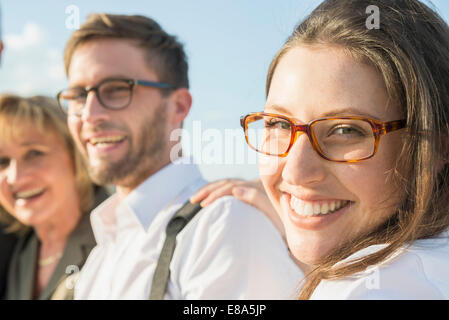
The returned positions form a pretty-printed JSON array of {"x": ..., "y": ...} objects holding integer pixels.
[{"x": 163, "y": 52}]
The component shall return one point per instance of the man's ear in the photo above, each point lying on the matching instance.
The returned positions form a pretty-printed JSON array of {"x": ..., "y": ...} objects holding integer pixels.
[
  {"x": 181, "y": 100},
  {"x": 1, "y": 49}
]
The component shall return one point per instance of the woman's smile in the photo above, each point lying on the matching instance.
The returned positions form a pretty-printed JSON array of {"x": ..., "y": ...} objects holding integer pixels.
[{"x": 316, "y": 214}]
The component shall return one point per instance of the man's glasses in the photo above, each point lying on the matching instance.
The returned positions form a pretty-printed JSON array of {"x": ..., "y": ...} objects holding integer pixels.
[
  {"x": 340, "y": 139},
  {"x": 112, "y": 94}
]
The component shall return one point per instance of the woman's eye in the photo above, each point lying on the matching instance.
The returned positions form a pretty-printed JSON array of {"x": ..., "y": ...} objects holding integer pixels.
[
  {"x": 33, "y": 154},
  {"x": 348, "y": 131},
  {"x": 278, "y": 124},
  {"x": 4, "y": 162}
]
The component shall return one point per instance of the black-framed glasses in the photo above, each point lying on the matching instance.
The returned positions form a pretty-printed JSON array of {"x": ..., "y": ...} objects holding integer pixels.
[
  {"x": 113, "y": 94},
  {"x": 339, "y": 139}
]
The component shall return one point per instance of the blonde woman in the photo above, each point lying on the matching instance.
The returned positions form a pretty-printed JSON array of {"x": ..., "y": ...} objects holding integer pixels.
[
  {"x": 45, "y": 197},
  {"x": 354, "y": 145}
]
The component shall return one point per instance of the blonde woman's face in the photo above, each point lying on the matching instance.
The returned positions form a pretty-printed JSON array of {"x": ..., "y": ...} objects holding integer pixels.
[
  {"x": 37, "y": 180},
  {"x": 316, "y": 82}
]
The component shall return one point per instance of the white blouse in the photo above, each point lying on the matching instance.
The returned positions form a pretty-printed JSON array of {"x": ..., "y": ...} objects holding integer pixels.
[{"x": 418, "y": 271}]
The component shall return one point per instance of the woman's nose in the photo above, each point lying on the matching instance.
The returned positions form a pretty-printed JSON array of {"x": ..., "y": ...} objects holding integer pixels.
[
  {"x": 303, "y": 164},
  {"x": 16, "y": 173}
]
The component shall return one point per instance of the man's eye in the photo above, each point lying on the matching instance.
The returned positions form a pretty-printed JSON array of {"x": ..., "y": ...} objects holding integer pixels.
[
  {"x": 79, "y": 95},
  {"x": 115, "y": 90},
  {"x": 75, "y": 94}
]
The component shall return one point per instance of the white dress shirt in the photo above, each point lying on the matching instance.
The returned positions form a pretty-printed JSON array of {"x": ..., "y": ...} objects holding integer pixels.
[
  {"x": 229, "y": 250},
  {"x": 418, "y": 271}
]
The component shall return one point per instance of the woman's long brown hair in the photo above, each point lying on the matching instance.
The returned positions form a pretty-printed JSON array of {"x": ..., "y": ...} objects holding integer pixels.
[{"x": 411, "y": 52}]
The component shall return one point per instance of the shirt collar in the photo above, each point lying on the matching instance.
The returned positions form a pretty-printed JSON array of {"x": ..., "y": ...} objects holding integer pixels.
[{"x": 143, "y": 203}]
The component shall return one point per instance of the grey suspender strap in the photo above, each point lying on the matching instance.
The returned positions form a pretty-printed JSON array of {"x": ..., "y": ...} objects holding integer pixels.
[{"x": 175, "y": 225}]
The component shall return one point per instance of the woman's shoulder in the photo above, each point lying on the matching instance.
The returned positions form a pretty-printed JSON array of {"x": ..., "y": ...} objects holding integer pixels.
[{"x": 415, "y": 271}]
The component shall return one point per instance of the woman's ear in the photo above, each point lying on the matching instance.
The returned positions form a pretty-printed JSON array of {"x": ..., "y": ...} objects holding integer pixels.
[{"x": 444, "y": 151}]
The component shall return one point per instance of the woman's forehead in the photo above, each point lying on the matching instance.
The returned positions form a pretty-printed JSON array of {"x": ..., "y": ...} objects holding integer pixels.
[
  {"x": 312, "y": 82},
  {"x": 26, "y": 132}
]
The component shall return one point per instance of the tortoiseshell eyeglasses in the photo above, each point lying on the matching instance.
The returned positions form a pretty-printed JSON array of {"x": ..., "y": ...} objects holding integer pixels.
[{"x": 340, "y": 139}]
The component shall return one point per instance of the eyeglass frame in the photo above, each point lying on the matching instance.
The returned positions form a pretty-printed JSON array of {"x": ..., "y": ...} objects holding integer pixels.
[
  {"x": 379, "y": 129},
  {"x": 131, "y": 82}
]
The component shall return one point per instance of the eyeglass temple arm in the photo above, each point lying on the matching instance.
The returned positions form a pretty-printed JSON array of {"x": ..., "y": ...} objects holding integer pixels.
[
  {"x": 386, "y": 127},
  {"x": 154, "y": 84}
]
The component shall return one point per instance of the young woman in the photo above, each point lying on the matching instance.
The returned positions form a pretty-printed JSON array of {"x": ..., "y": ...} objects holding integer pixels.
[
  {"x": 45, "y": 195},
  {"x": 354, "y": 144}
]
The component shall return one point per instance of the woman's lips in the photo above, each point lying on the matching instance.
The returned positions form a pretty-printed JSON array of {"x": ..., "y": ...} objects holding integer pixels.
[
  {"x": 28, "y": 200},
  {"x": 313, "y": 214}
]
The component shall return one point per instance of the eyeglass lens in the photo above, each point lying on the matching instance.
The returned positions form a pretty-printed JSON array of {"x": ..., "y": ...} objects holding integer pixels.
[{"x": 337, "y": 139}]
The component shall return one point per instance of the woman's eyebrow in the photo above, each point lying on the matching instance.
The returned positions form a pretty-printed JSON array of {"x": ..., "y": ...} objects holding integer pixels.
[
  {"x": 351, "y": 111},
  {"x": 335, "y": 112},
  {"x": 33, "y": 143},
  {"x": 279, "y": 109}
]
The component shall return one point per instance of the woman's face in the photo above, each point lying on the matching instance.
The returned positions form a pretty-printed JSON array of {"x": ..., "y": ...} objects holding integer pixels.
[
  {"x": 37, "y": 179},
  {"x": 316, "y": 82}
]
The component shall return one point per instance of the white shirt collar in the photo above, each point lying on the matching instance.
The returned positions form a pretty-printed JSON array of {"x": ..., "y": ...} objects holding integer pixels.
[{"x": 143, "y": 203}]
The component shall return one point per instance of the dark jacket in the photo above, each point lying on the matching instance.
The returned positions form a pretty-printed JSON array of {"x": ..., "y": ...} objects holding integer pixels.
[
  {"x": 7, "y": 243},
  {"x": 22, "y": 267}
]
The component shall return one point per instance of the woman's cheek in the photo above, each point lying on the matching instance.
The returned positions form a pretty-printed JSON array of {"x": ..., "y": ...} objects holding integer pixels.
[{"x": 270, "y": 172}]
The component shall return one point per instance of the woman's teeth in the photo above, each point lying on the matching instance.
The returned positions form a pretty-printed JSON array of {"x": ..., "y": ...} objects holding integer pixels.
[
  {"x": 314, "y": 208},
  {"x": 28, "y": 193}
]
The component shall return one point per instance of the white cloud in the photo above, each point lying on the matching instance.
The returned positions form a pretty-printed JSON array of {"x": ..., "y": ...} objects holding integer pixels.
[
  {"x": 31, "y": 37},
  {"x": 29, "y": 65}
]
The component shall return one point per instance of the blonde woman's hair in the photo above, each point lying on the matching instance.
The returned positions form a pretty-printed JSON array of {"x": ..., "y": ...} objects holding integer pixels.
[
  {"x": 18, "y": 114},
  {"x": 410, "y": 50}
]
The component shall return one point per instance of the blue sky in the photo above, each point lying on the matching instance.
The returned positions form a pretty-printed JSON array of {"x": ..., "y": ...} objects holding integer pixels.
[{"x": 229, "y": 44}]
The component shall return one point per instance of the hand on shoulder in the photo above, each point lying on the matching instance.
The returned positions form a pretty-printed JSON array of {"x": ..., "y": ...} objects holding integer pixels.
[{"x": 251, "y": 192}]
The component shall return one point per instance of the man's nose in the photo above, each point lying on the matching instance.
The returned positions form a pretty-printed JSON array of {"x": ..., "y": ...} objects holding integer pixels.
[{"x": 93, "y": 112}]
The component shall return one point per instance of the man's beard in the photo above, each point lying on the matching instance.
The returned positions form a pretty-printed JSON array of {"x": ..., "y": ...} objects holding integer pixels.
[{"x": 144, "y": 156}]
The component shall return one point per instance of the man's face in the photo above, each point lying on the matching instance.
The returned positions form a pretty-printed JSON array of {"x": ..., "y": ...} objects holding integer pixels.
[{"x": 125, "y": 146}]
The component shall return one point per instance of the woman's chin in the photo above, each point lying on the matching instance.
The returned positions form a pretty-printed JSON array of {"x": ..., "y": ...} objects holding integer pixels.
[
  {"x": 308, "y": 250},
  {"x": 30, "y": 218}
]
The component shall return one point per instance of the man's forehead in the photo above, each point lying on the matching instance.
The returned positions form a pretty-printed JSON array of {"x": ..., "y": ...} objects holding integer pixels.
[{"x": 101, "y": 59}]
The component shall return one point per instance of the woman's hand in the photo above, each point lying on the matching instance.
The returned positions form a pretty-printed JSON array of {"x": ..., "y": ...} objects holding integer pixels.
[{"x": 251, "y": 192}]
